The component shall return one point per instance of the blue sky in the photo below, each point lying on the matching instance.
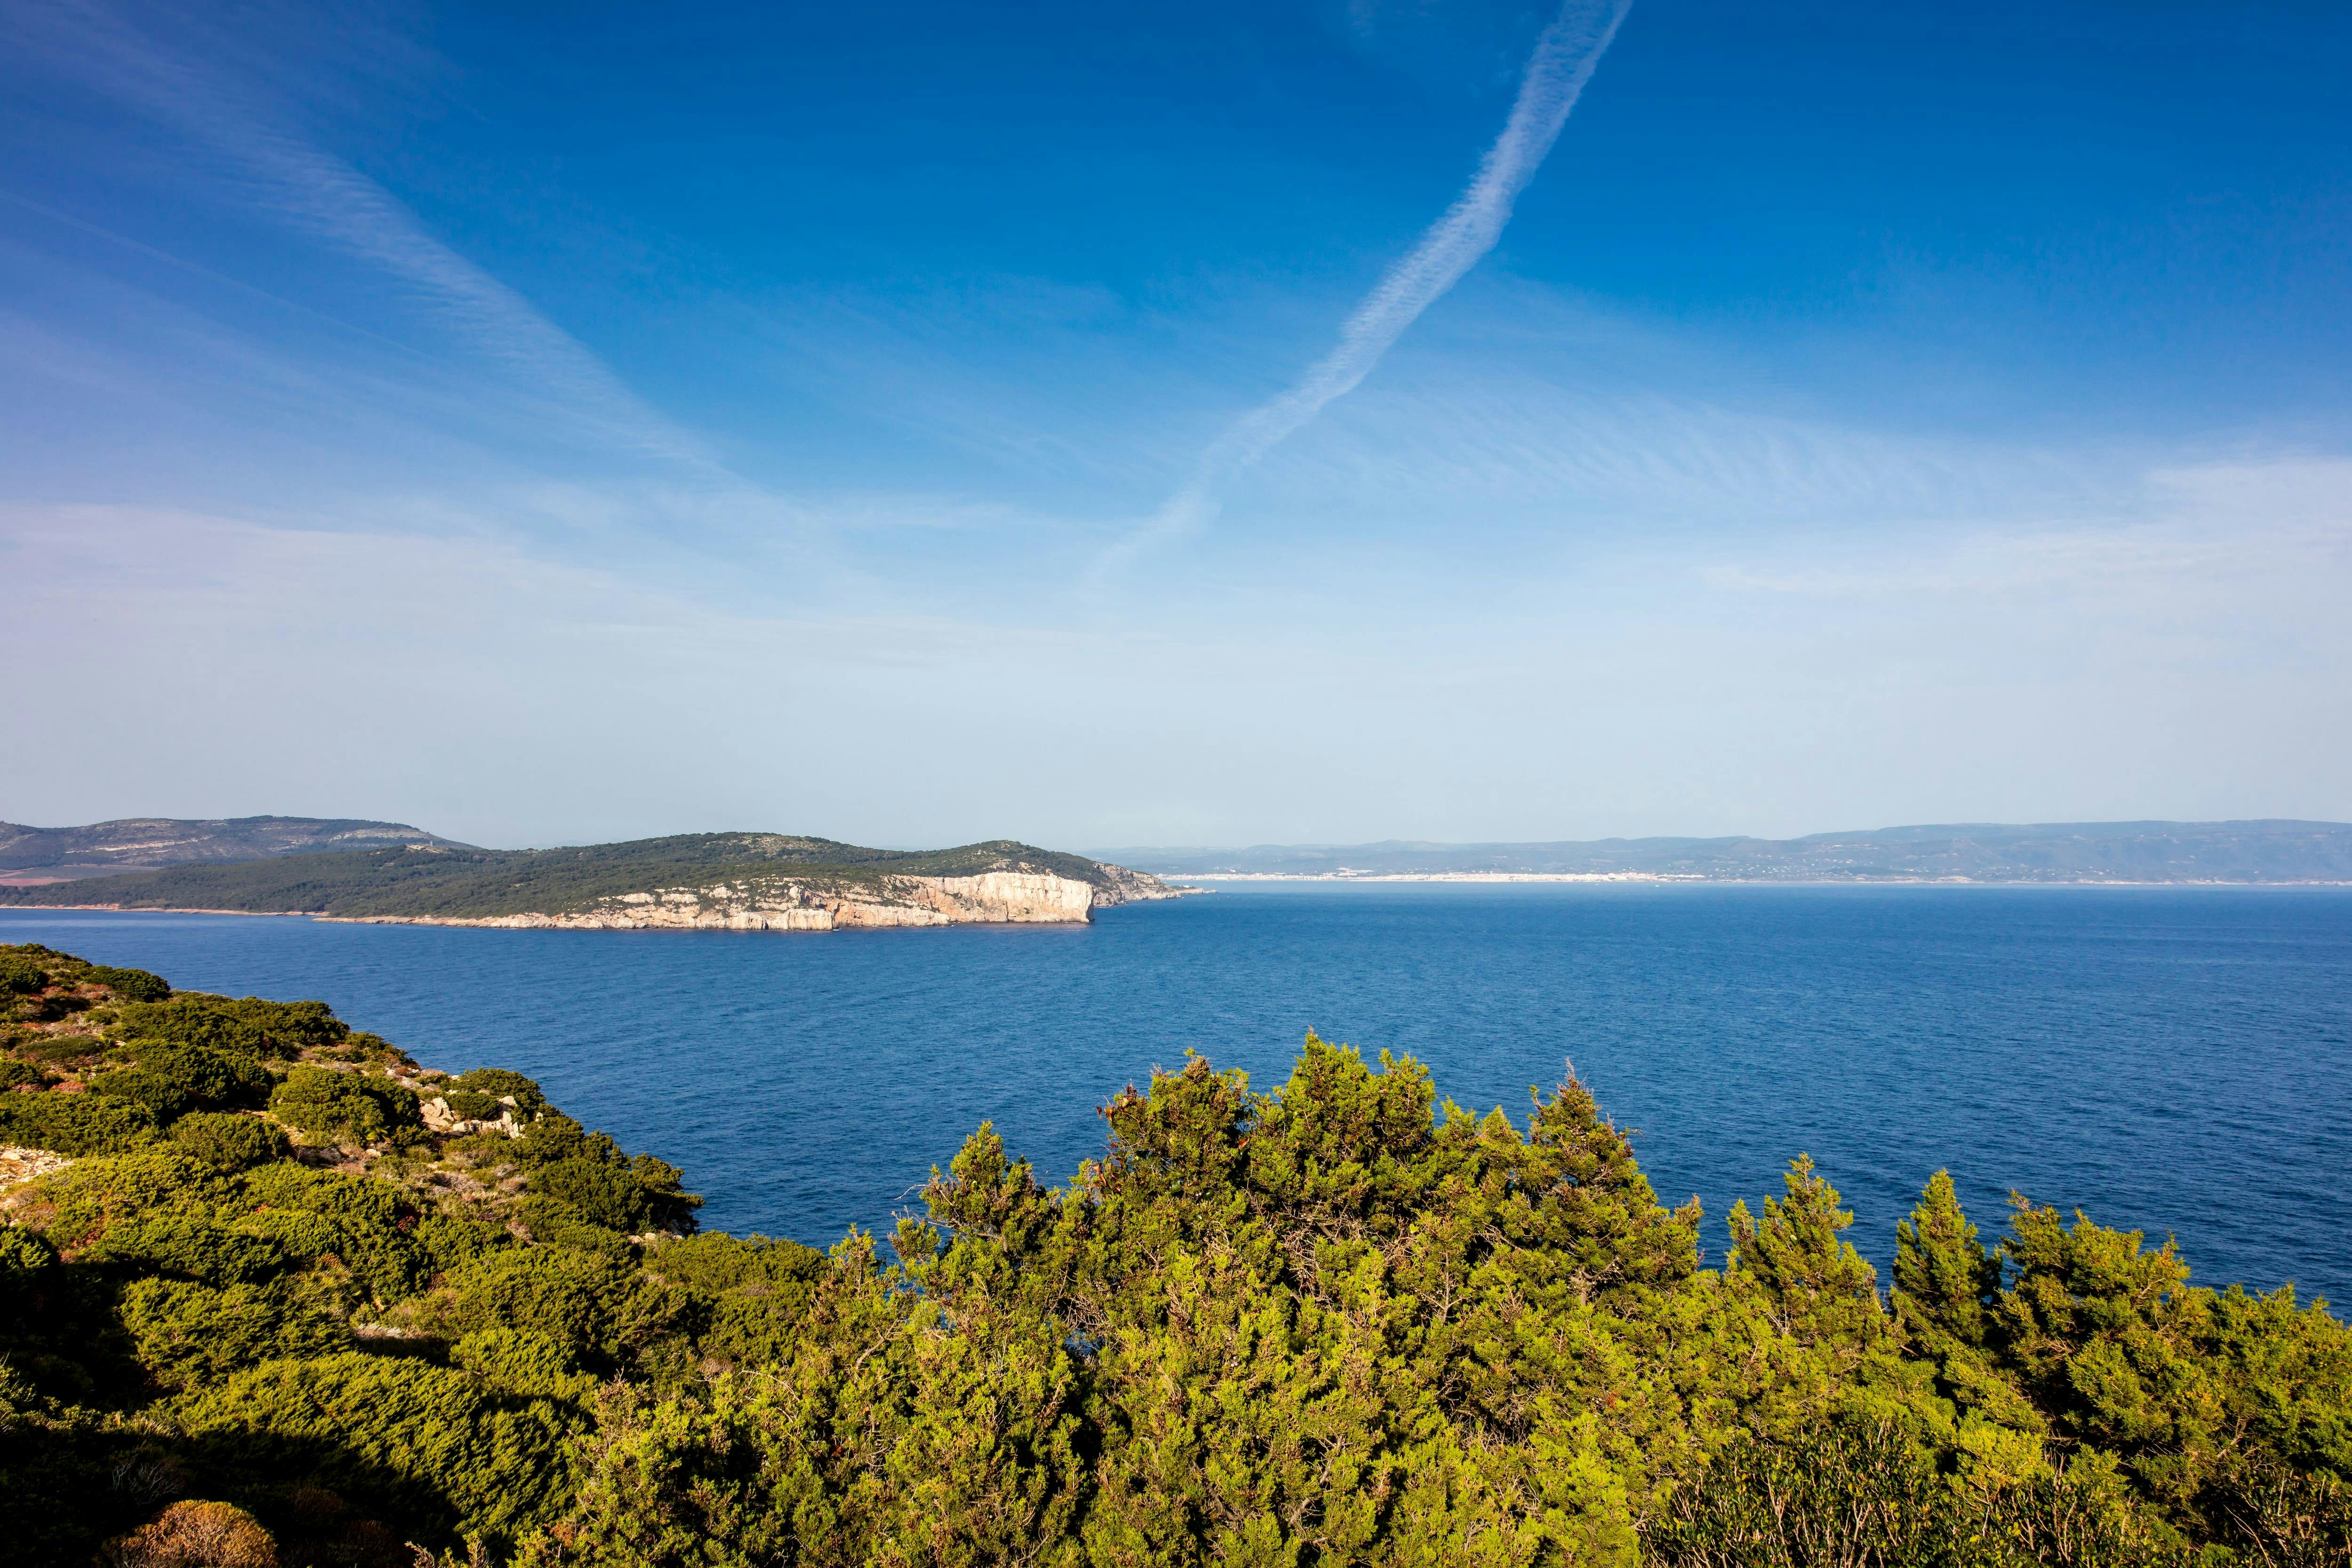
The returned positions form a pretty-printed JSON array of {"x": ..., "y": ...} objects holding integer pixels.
[{"x": 549, "y": 423}]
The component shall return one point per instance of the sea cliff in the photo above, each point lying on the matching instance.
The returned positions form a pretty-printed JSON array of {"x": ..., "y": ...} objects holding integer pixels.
[{"x": 790, "y": 903}]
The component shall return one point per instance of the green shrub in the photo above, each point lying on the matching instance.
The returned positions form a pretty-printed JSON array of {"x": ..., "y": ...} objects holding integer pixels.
[
  {"x": 48, "y": 958},
  {"x": 188, "y": 1245},
  {"x": 296, "y": 1231},
  {"x": 752, "y": 1329},
  {"x": 347, "y": 1107},
  {"x": 295, "y": 1026},
  {"x": 281, "y": 1186},
  {"x": 605, "y": 1194},
  {"x": 390, "y": 1265},
  {"x": 356, "y": 1202},
  {"x": 21, "y": 977},
  {"x": 164, "y": 1099},
  {"x": 25, "y": 1257},
  {"x": 87, "y": 1198},
  {"x": 557, "y": 1224},
  {"x": 175, "y": 1080},
  {"x": 231, "y": 1141},
  {"x": 188, "y": 1334},
  {"x": 194, "y": 1020},
  {"x": 360, "y": 1046},
  {"x": 130, "y": 984},
  {"x": 662, "y": 1183},
  {"x": 588, "y": 1172},
  {"x": 75, "y": 1123},
  {"x": 524, "y": 1363},
  {"x": 407, "y": 1440},
  {"x": 14, "y": 1075},
  {"x": 752, "y": 1295},
  {"x": 473, "y": 1107},
  {"x": 554, "y": 1137},
  {"x": 214, "y": 1079},
  {"x": 250, "y": 1027},
  {"x": 491, "y": 1082},
  {"x": 364, "y": 1222},
  {"x": 451, "y": 1242},
  {"x": 597, "y": 1307},
  {"x": 62, "y": 1047},
  {"x": 716, "y": 1262}
]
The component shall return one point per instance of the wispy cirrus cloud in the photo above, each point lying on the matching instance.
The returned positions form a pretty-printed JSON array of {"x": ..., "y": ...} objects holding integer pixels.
[
  {"x": 1643, "y": 689},
  {"x": 2196, "y": 533},
  {"x": 279, "y": 172}
]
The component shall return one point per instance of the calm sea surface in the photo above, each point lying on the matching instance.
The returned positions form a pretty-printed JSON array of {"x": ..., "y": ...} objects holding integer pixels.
[{"x": 2168, "y": 1060}]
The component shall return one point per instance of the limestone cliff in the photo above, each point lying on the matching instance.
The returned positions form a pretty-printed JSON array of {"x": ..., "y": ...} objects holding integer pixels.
[{"x": 796, "y": 904}]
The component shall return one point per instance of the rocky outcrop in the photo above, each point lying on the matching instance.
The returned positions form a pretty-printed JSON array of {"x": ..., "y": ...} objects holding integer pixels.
[
  {"x": 1121, "y": 885},
  {"x": 17, "y": 1165},
  {"x": 790, "y": 903},
  {"x": 440, "y": 1116}
]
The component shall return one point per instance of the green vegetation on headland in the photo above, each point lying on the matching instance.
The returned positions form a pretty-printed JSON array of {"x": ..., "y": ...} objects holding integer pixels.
[
  {"x": 456, "y": 883},
  {"x": 296, "y": 1300},
  {"x": 143, "y": 843}
]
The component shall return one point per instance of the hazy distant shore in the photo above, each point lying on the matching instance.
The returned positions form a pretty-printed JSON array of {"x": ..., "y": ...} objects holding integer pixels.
[
  {"x": 2267, "y": 852},
  {"x": 1690, "y": 878}
]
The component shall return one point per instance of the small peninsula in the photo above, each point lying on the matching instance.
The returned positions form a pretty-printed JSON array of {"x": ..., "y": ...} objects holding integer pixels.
[{"x": 728, "y": 882}]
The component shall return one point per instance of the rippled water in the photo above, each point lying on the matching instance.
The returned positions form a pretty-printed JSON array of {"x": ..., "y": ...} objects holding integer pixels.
[{"x": 2166, "y": 1059}]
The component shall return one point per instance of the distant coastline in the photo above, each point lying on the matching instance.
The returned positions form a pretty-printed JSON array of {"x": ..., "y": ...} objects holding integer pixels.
[
  {"x": 1189, "y": 887},
  {"x": 1666, "y": 879},
  {"x": 351, "y": 868},
  {"x": 2258, "y": 853}
]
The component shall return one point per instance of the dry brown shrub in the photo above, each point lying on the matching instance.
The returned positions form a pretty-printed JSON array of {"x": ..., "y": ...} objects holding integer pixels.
[{"x": 196, "y": 1535}]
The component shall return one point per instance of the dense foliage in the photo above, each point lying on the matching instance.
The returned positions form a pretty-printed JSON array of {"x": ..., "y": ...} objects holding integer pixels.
[
  {"x": 265, "y": 1304},
  {"x": 453, "y": 882},
  {"x": 1338, "y": 1322}
]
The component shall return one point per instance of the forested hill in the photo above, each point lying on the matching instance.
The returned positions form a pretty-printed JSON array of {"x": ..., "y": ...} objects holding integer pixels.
[
  {"x": 273, "y": 1294},
  {"x": 2246, "y": 852},
  {"x": 144, "y": 843},
  {"x": 452, "y": 881}
]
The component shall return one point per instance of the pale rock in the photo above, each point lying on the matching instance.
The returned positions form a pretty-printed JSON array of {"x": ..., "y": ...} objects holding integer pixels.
[
  {"x": 19, "y": 1165},
  {"x": 784, "y": 903}
]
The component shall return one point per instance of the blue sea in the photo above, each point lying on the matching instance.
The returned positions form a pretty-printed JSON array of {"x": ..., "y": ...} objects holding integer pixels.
[{"x": 2175, "y": 1060}]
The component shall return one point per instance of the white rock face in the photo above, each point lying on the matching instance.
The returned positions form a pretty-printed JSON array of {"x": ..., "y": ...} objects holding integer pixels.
[
  {"x": 24, "y": 1165},
  {"x": 440, "y": 1116},
  {"x": 997, "y": 897},
  {"x": 1134, "y": 887}
]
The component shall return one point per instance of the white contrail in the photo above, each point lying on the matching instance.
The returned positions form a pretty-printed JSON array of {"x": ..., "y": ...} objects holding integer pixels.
[{"x": 1562, "y": 63}]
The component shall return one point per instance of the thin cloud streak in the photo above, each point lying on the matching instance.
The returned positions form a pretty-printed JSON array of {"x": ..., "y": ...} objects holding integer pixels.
[
  {"x": 323, "y": 195},
  {"x": 1563, "y": 61},
  {"x": 2010, "y": 665}
]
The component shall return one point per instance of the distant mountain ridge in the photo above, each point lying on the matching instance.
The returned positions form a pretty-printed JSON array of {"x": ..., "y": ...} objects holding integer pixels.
[
  {"x": 148, "y": 844},
  {"x": 2256, "y": 851},
  {"x": 744, "y": 882}
]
